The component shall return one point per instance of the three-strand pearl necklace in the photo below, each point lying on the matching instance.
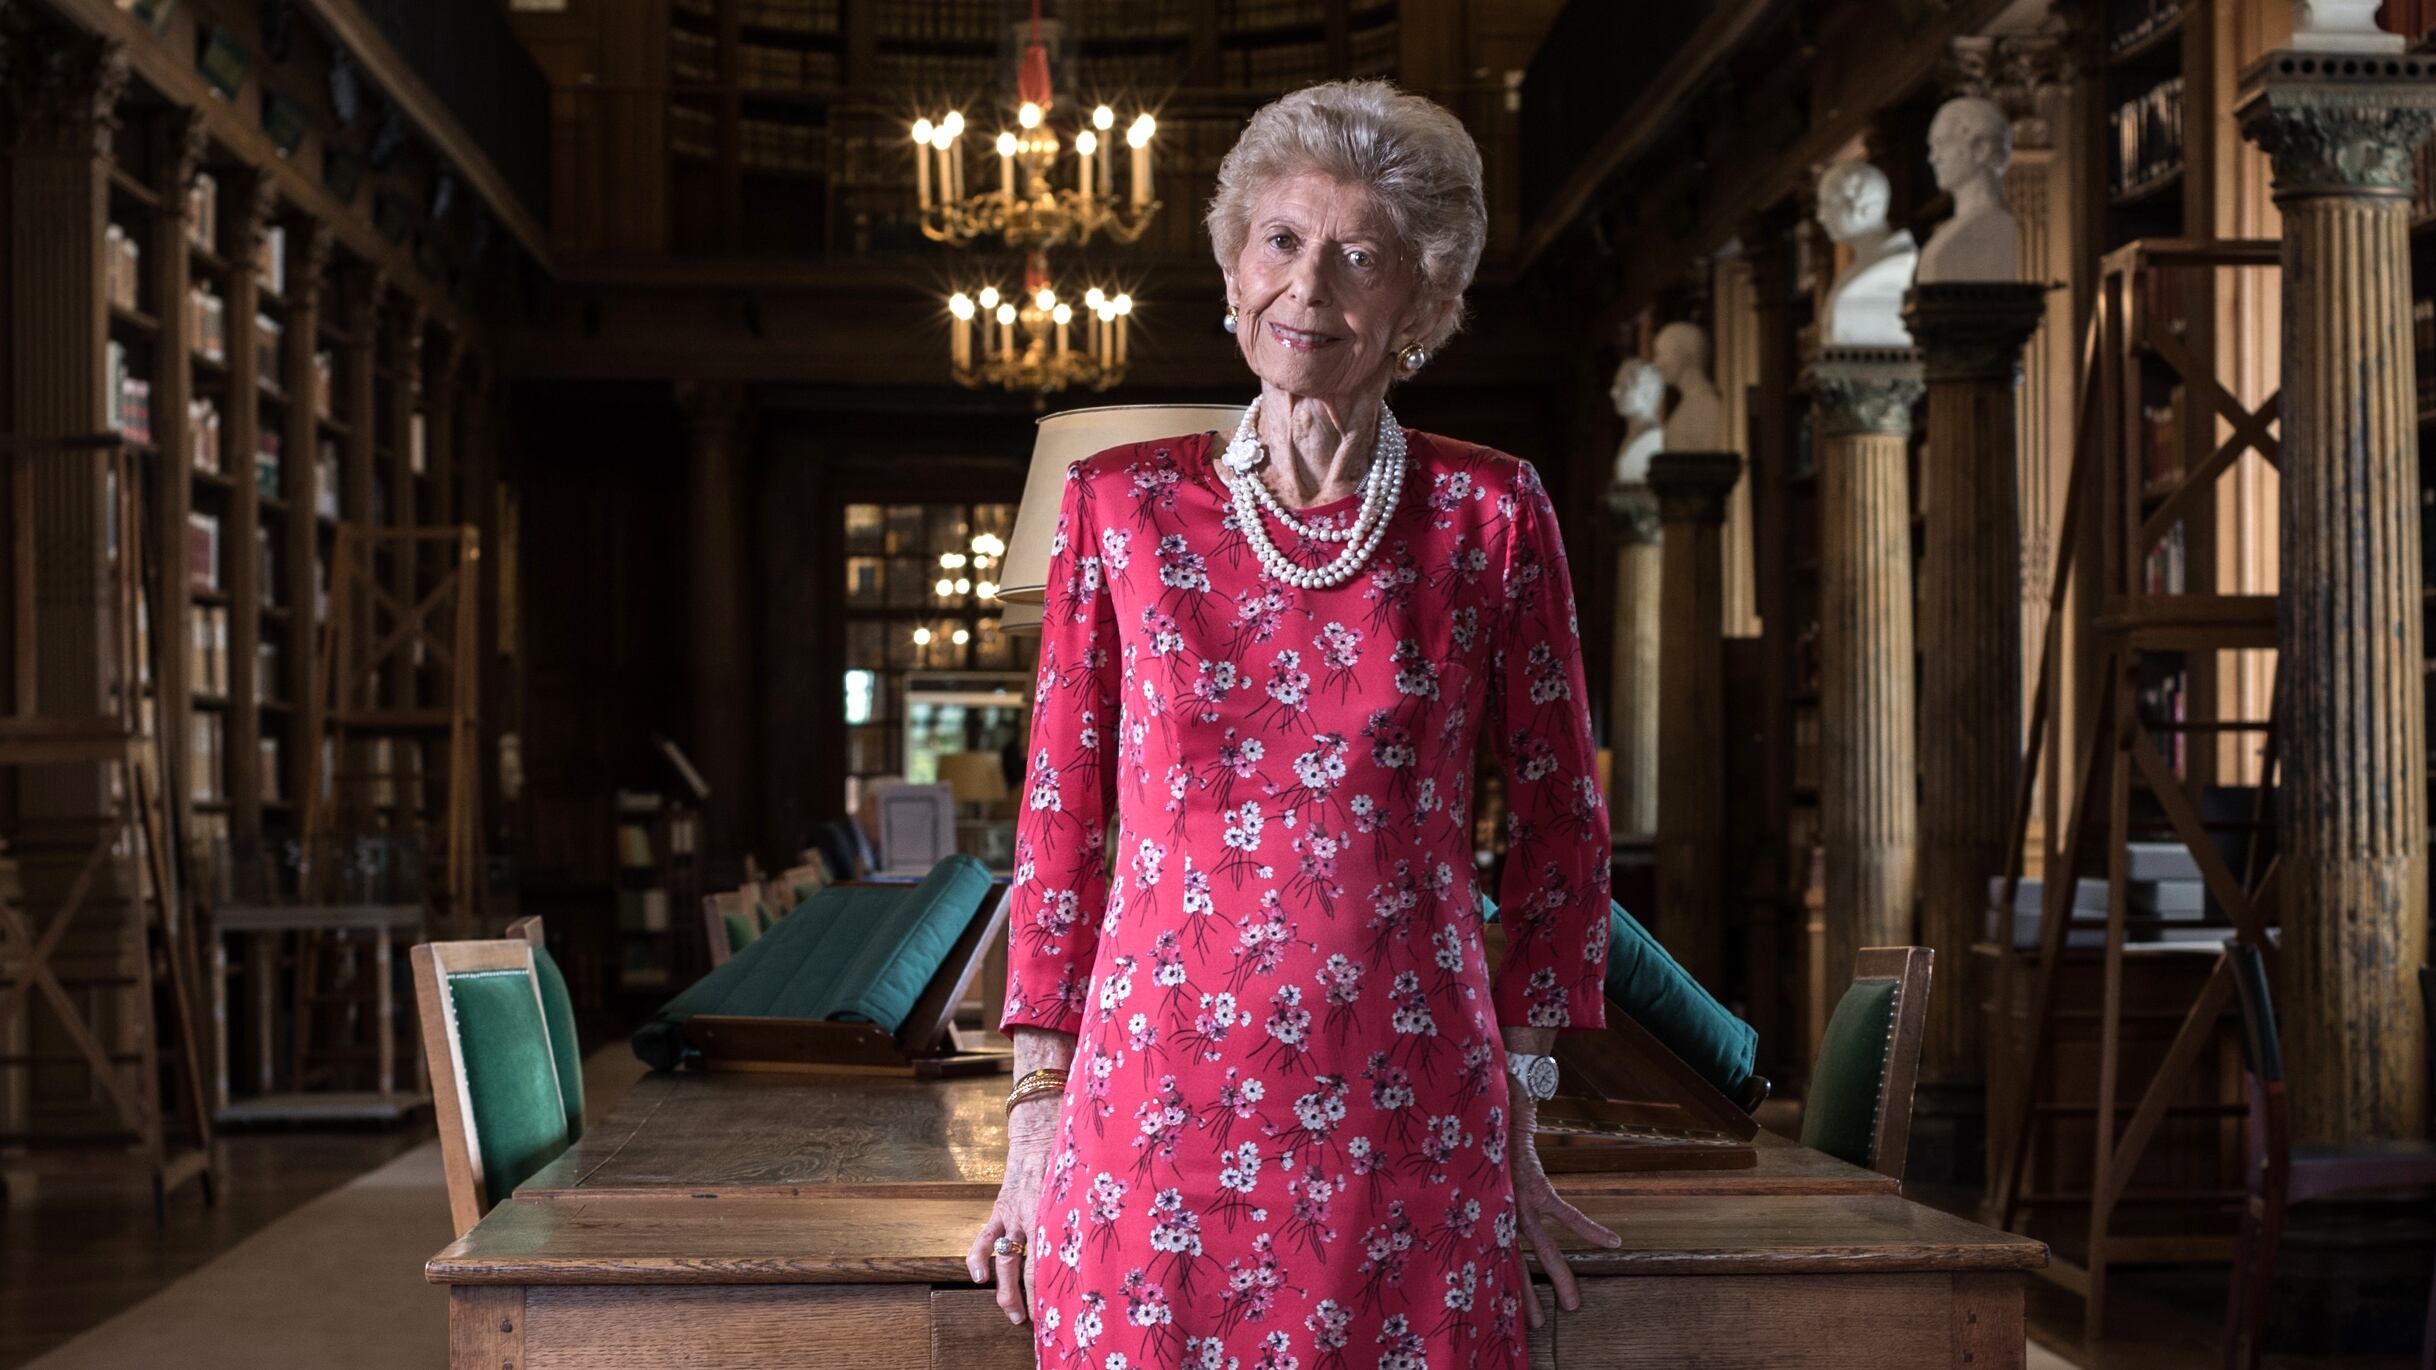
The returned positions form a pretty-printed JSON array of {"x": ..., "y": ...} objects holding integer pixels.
[{"x": 1381, "y": 486}]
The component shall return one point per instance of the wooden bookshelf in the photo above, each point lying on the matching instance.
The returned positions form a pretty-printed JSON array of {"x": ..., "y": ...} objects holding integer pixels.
[{"x": 794, "y": 105}]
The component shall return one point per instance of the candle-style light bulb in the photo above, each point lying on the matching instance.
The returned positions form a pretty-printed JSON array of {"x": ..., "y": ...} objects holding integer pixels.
[
  {"x": 1006, "y": 313},
  {"x": 989, "y": 297},
  {"x": 1028, "y": 115},
  {"x": 1103, "y": 118},
  {"x": 960, "y": 305},
  {"x": 1046, "y": 299},
  {"x": 922, "y": 130}
]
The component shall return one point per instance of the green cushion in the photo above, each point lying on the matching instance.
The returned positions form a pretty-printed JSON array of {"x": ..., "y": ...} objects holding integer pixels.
[
  {"x": 565, "y": 1050},
  {"x": 1840, "y": 1114},
  {"x": 520, "y": 1123},
  {"x": 862, "y": 953},
  {"x": 742, "y": 932},
  {"x": 1649, "y": 984},
  {"x": 764, "y": 915}
]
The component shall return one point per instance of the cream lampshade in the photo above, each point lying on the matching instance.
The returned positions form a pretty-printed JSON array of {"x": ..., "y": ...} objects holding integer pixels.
[
  {"x": 1019, "y": 620},
  {"x": 1063, "y": 439},
  {"x": 974, "y": 777}
]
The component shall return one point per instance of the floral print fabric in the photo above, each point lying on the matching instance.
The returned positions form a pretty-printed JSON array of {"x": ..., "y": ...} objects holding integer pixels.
[{"x": 1283, "y": 1144}]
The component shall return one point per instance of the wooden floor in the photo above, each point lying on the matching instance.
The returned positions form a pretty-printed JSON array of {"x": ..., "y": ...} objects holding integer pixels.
[{"x": 79, "y": 1252}]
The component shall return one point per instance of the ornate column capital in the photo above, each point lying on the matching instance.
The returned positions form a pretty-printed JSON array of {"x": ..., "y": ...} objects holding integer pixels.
[
  {"x": 1634, "y": 511},
  {"x": 1864, "y": 389},
  {"x": 2339, "y": 124},
  {"x": 63, "y": 88},
  {"x": 185, "y": 140},
  {"x": 1692, "y": 486},
  {"x": 1974, "y": 330},
  {"x": 2021, "y": 72}
]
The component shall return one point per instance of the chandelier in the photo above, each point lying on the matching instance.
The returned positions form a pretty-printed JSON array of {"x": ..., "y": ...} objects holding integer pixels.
[
  {"x": 1037, "y": 340},
  {"x": 1029, "y": 209}
]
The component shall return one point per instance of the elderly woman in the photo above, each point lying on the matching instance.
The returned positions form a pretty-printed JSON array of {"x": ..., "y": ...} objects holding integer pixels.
[{"x": 1290, "y": 1136}]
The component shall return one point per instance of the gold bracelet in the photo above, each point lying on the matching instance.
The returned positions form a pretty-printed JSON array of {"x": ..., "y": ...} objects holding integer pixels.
[{"x": 1045, "y": 1080}]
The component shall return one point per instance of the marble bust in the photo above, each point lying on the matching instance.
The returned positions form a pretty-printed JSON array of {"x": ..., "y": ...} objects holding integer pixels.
[
  {"x": 1865, "y": 305},
  {"x": 1639, "y": 391},
  {"x": 2341, "y": 26},
  {"x": 1697, "y": 423},
  {"x": 1970, "y": 145}
]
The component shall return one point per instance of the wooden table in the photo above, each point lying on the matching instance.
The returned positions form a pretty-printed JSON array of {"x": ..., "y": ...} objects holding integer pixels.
[
  {"x": 391, "y": 928},
  {"x": 753, "y": 1221}
]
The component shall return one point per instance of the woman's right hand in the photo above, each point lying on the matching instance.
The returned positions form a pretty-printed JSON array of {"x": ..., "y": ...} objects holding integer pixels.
[{"x": 1029, "y": 1131}]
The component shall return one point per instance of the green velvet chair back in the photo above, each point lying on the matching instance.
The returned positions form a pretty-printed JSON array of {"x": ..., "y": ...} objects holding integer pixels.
[
  {"x": 558, "y": 1006},
  {"x": 1859, "y": 1105},
  {"x": 494, "y": 1070},
  {"x": 860, "y": 953},
  {"x": 566, "y": 1052},
  {"x": 1652, "y": 986}
]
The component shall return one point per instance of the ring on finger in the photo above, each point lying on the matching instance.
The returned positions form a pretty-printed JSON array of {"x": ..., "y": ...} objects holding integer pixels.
[{"x": 1011, "y": 1244}]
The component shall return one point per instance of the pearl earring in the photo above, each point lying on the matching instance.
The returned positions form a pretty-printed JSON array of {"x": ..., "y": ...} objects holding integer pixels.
[
  {"x": 1413, "y": 358},
  {"x": 1230, "y": 318}
]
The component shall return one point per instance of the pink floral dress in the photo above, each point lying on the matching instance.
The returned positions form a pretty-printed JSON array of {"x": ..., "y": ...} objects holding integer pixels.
[{"x": 1283, "y": 1145}]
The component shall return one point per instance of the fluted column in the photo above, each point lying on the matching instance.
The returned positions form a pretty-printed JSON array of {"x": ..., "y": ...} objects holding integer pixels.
[
  {"x": 1971, "y": 336},
  {"x": 1867, "y": 775},
  {"x": 1692, "y": 488},
  {"x": 2341, "y": 128},
  {"x": 1632, "y": 720}
]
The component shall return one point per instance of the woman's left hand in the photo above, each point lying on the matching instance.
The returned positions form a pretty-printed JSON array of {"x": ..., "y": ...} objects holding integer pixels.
[{"x": 1540, "y": 1211}]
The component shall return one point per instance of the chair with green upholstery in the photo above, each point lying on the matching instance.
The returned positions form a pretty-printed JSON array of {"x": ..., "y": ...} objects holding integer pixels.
[
  {"x": 566, "y": 1050},
  {"x": 854, "y": 953},
  {"x": 1859, "y": 1108},
  {"x": 1662, "y": 999},
  {"x": 727, "y": 927},
  {"x": 494, "y": 1074}
]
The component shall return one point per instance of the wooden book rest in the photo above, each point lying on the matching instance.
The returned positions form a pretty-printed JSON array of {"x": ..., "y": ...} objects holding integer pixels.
[{"x": 924, "y": 1045}]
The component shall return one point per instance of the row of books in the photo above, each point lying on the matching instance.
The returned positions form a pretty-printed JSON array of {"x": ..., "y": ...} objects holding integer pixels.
[
  {"x": 1278, "y": 66},
  {"x": 2167, "y": 569},
  {"x": 936, "y": 73},
  {"x": 2131, "y": 22},
  {"x": 1376, "y": 51},
  {"x": 203, "y": 550},
  {"x": 2161, "y": 444},
  {"x": 955, "y": 21},
  {"x": 207, "y": 752},
  {"x": 1237, "y": 15},
  {"x": 768, "y": 145},
  {"x": 203, "y": 450},
  {"x": 692, "y": 56},
  {"x": 127, "y": 397},
  {"x": 2167, "y": 700},
  {"x": 207, "y": 322},
  {"x": 203, "y": 212},
  {"x": 692, "y": 132},
  {"x": 800, "y": 16},
  {"x": 271, "y": 259},
  {"x": 767, "y": 68},
  {"x": 207, "y": 670},
  {"x": 122, "y": 266},
  {"x": 2148, "y": 138}
]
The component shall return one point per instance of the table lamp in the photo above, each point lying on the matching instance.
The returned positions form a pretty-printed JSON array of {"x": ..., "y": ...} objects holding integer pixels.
[
  {"x": 1062, "y": 439},
  {"x": 977, "y": 779}
]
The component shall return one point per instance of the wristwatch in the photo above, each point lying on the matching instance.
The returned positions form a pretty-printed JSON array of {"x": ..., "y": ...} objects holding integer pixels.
[{"x": 1536, "y": 1074}]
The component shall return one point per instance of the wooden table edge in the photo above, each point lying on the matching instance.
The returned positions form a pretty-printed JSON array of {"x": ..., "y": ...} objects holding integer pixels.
[{"x": 654, "y": 1270}]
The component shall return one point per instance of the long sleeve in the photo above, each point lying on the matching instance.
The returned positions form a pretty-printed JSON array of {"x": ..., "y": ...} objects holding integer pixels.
[
  {"x": 1061, "y": 867},
  {"x": 1554, "y": 898}
]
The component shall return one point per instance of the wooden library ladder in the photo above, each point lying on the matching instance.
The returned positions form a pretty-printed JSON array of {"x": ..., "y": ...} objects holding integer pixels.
[
  {"x": 129, "y": 853},
  {"x": 2132, "y": 348}
]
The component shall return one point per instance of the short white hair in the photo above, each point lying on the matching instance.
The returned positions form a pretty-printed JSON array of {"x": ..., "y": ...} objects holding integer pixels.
[{"x": 1417, "y": 161}]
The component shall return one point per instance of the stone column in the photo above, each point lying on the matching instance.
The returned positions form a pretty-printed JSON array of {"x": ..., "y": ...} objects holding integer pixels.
[
  {"x": 1692, "y": 488},
  {"x": 1971, "y": 336},
  {"x": 2341, "y": 128},
  {"x": 1632, "y": 721},
  {"x": 1868, "y": 803}
]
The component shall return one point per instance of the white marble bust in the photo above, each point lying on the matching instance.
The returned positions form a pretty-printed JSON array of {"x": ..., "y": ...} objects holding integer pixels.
[
  {"x": 1639, "y": 392},
  {"x": 1970, "y": 145},
  {"x": 1865, "y": 305},
  {"x": 1697, "y": 423},
  {"x": 2341, "y": 26}
]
